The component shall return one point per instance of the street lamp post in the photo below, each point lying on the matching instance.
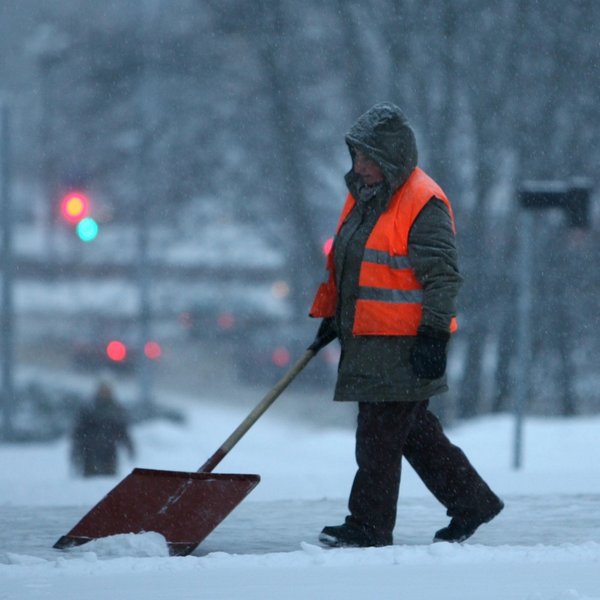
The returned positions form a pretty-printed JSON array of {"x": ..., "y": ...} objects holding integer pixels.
[
  {"x": 573, "y": 199},
  {"x": 6, "y": 331}
]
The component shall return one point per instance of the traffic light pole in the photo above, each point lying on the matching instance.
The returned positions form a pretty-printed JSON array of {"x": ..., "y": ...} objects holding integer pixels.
[{"x": 7, "y": 332}]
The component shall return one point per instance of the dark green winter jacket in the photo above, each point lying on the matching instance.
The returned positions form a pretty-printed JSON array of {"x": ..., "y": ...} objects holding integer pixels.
[{"x": 377, "y": 368}]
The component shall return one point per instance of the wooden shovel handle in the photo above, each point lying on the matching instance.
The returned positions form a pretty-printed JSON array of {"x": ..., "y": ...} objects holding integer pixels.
[{"x": 260, "y": 408}]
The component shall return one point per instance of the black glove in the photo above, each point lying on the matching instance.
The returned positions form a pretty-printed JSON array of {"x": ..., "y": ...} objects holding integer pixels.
[
  {"x": 326, "y": 334},
  {"x": 428, "y": 355}
]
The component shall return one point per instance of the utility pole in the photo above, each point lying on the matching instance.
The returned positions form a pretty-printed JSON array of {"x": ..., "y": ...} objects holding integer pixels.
[
  {"x": 7, "y": 321},
  {"x": 147, "y": 99},
  {"x": 48, "y": 46}
]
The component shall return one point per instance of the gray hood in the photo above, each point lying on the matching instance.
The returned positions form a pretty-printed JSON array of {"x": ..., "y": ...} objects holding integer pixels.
[{"x": 385, "y": 136}]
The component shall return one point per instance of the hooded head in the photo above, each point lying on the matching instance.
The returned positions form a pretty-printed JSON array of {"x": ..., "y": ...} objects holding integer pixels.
[
  {"x": 384, "y": 135},
  {"x": 104, "y": 394}
]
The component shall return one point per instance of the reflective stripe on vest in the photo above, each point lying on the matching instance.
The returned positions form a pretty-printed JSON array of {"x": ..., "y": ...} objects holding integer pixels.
[
  {"x": 383, "y": 258},
  {"x": 387, "y": 295}
]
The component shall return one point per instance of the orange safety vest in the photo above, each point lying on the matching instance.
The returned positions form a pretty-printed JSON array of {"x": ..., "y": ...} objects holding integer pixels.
[{"x": 390, "y": 298}]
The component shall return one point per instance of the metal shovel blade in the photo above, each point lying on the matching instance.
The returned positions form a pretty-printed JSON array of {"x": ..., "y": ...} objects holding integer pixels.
[{"x": 183, "y": 507}]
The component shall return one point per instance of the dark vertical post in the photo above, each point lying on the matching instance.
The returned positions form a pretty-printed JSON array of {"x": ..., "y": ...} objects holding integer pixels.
[
  {"x": 47, "y": 156},
  {"x": 523, "y": 333},
  {"x": 7, "y": 332},
  {"x": 573, "y": 200},
  {"x": 144, "y": 205},
  {"x": 145, "y": 314}
]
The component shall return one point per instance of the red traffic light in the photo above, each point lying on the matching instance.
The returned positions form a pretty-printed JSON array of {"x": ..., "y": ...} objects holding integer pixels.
[
  {"x": 74, "y": 207},
  {"x": 116, "y": 350}
]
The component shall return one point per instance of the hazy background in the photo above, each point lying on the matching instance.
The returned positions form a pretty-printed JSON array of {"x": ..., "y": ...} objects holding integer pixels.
[{"x": 208, "y": 136}]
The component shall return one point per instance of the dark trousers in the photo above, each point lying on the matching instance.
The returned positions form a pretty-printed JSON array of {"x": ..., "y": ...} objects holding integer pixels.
[{"x": 385, "y": 433}]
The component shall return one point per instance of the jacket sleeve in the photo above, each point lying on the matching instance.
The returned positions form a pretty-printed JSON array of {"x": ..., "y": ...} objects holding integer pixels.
[{"x": 433, "y": 256}]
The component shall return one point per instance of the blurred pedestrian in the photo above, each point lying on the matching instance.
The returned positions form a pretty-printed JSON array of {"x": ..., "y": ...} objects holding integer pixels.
[
  {"x": 390, "y": 299},
  {"x": 98, "y": 432}
]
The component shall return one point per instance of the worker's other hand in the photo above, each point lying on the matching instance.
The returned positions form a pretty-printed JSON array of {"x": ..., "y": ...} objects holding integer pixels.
[
  {"x": 428, "y": 355},
  {"x": 326, "y": 334}
]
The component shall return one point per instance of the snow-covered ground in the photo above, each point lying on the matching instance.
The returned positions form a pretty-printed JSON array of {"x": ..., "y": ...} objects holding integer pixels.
[{"x": 544, "y": 546}]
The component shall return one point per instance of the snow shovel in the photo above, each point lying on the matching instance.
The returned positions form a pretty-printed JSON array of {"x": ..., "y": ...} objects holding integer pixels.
[{"x": 183, "y": 507}]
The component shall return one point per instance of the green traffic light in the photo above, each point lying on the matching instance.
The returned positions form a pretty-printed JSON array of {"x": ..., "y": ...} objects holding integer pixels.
[{"x": 87, "y": 229}]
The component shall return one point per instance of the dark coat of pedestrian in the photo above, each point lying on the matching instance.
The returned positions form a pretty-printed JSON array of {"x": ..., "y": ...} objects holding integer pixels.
[
  {"x": 98, "y": 432},
  {"x": 390, "y": 298}
]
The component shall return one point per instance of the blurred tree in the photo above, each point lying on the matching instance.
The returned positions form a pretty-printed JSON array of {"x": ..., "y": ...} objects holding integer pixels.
[{"x": 252, "y": 102}]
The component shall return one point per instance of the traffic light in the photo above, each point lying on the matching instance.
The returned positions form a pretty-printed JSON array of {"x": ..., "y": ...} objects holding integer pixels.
[
  {"x": 116, "y": 351},
  {"x": 75, "y": 210},
  {"x": 87, "y": 229},
  {"x": 74, "y": 206}
]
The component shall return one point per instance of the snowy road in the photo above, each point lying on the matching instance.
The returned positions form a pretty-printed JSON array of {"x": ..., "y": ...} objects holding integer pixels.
[
  {"x": 281, "y": 526},
  {"x": 545, "y": 545}
]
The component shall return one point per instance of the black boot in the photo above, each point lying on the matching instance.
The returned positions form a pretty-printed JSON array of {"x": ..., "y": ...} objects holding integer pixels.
[
  {"x": 461, "y": 528},
  {"x": 351, "y": 536}
]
